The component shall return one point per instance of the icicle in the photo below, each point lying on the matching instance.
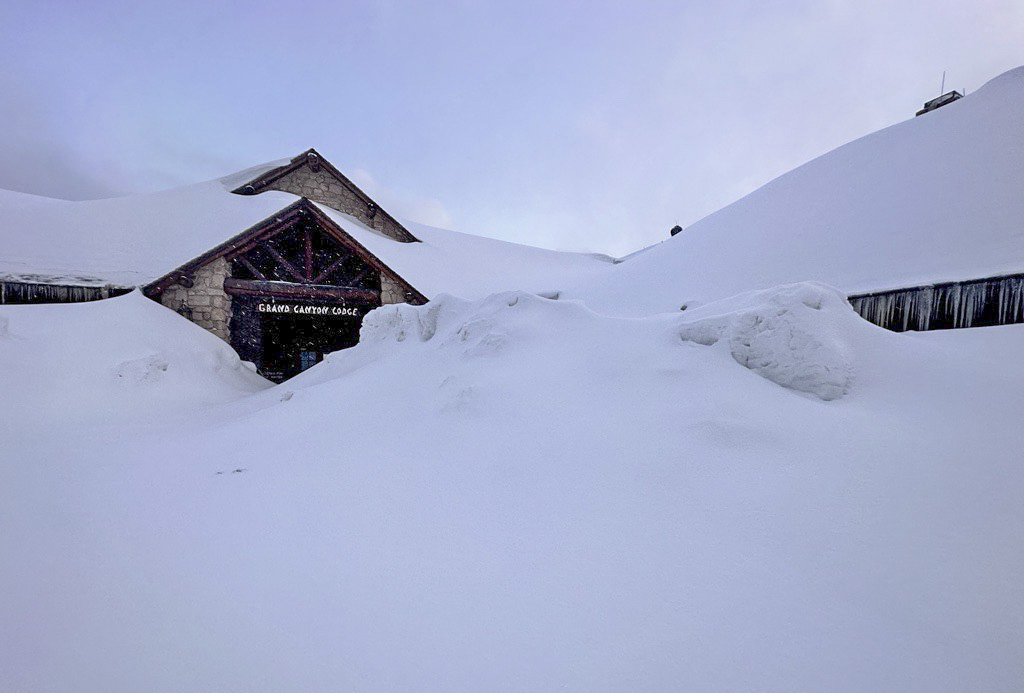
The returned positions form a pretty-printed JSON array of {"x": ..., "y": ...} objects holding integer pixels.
[
  {"x": 1011, "y": 292},
  {"x": 997, "y": 300},
  {"x": 28, "y": 292},
  {"x": 953, "y": 294},
  {"x": 924, "y": 308}
]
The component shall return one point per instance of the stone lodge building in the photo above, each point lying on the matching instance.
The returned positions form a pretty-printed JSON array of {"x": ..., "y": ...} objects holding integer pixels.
[{"x": 283, "y": 291}]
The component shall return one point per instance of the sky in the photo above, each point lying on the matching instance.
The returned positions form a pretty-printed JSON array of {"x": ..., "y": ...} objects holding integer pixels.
[{"x": 590, "y": 126}]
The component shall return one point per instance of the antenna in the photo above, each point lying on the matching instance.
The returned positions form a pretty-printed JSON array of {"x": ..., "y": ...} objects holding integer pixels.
[{"x": 942, "y": 89}]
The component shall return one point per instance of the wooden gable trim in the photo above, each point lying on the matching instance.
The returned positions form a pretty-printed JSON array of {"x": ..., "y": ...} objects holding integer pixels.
[
  {"x": 265, "y": 230},
  {"x": 328, "y": 225},
  {"x": 260, "y": 182},
  {"x": 313, "y": 158},
  {"x": 251, "y": 287},
  {"x": 244, "y": 240}
]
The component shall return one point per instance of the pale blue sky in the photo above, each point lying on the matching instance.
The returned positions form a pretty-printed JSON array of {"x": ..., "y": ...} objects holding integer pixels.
[{"x": 571, "y": 125}]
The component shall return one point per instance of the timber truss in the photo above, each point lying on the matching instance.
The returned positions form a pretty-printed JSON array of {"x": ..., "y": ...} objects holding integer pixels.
[{"x": 297, "y": 253}]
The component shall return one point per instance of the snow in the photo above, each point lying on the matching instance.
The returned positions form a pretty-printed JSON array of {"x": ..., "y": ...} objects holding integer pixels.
[
  {"x": 792, "y": 335},
  {"x": 131, "y": 241},
  {"x": 126, "y": 241},
  {"x": 240, "y": 178},
  {"x": 473, "y": 266},
  {"x": 696, "y": 469},
  {"x": 933, "y": 199},
  {"x": 12, "y": 198},
  {"x": 136, "y": 359},
  {"x": 512, "y": 493}
]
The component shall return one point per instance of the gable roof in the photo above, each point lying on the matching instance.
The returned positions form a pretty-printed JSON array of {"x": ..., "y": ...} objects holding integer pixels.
[
  {"x": 271, "y": 226},
  {"x": 267, "y": 177},
  {"x": 136, "y": 240},
  {"x": 123, "y": 241},
  {"x": 316, "y": 163}
]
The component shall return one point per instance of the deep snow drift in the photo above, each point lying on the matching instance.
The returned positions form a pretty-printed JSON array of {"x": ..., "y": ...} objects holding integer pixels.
[
  {"x": 758, "y": 492},
  {"x": 110, "y": 359},
  {"x": 516, "y": 494}
]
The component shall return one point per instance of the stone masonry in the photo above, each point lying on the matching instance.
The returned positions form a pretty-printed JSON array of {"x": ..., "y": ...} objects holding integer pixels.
[
  {"x": 321, "y": 186},
  {"x": 391, "y": 291},
  {"x": 206, "y": 299}
]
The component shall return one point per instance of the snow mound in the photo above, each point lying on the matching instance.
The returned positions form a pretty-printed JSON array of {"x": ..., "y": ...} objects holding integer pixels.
[
  {"x": 792, "y": 335},
  {"x": 796, "y": 336},
  {"x": 145, "y": 369},
  {"x": 475, "y": 328},
  {"x": 116, "y": 357},
  {"x": 511, "y": 494}
]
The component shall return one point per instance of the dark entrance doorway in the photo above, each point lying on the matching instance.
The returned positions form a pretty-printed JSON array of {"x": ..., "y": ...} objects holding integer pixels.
[
  {"x": 293, "y": 344},
  {"x": 285, "y": 336},
  {"x": 299, "y": 290}
]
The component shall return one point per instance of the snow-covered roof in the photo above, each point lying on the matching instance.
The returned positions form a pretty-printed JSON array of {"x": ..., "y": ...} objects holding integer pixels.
[
  {"x": 131, "y": 241},
  {"x": 126, "y": 241},
  {"x": 933, "y": 199},
  {"x": 929, "y": 200},
  {"x": 472, "y": 266}
]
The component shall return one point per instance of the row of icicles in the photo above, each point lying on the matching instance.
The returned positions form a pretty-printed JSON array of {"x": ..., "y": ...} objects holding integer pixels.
[{"x": 996, "y": 301}]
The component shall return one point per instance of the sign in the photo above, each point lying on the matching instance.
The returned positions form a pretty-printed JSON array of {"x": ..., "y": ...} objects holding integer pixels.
[{"x": 307, "y": 311}]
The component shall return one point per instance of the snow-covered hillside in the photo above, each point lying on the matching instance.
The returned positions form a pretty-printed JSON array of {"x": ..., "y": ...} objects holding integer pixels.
[
  {"x": 936, "y": 198},
  {"x": 514, "y": 494}
]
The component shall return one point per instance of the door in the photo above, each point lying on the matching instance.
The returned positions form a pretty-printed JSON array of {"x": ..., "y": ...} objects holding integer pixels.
[{"x": 293, "y": 344}]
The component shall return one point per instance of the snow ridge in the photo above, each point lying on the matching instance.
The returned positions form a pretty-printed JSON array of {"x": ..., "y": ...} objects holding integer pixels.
[{"x": 792, "y": 335}]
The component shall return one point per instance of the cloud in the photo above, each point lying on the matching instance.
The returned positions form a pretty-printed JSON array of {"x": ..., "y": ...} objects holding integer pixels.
[
  {"x": 545, "y": 123},
  {"x": 34, "y": 154}
]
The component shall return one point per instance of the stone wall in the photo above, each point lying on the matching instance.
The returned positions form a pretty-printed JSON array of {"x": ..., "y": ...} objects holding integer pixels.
[
  {"x": 391, "y": 291},
  {"x": 321, "y": 186},
  {"x": 205, "y": 303}
]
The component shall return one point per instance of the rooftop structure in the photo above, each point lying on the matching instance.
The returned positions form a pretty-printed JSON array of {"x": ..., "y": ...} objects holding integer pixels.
[{"x": 939, "y": 102}]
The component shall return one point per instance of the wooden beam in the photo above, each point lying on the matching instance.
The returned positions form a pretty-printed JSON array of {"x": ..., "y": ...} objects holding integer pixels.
[
  {"x": 251, "y": 267},
  {"x": 284, "y": 262},
  {"x": 330, "y": 269},
  {"x": 250, "y": 287},
  {"x": 240, "y": 243},
  {"x": 309, "y": 253},
  {"x": 362, "y": 274},
  {"x": 181, "y": 278},
  {"x": 246, "y": 240},
  {"x": 320, "y": 278},
  {"x": 262, "y": 232}
]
